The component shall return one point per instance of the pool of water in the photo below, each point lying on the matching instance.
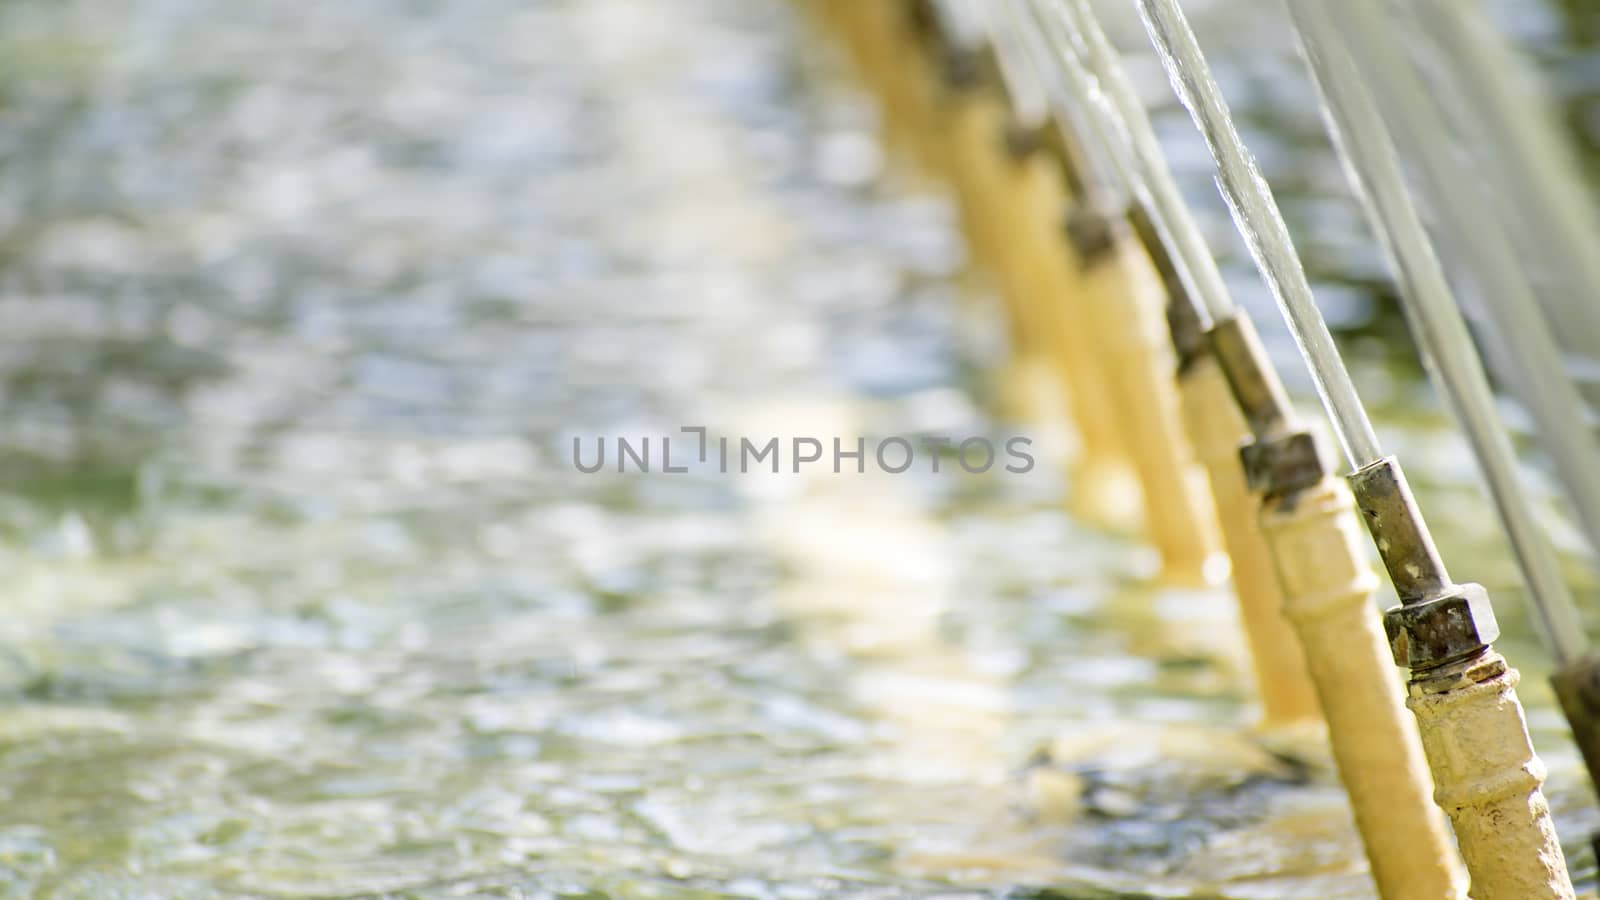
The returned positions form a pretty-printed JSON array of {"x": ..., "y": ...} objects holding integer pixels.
[{"x": 301, "y": 308}]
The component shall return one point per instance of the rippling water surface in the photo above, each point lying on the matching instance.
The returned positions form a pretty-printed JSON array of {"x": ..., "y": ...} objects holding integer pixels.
[{"x": 300, "y": 308}]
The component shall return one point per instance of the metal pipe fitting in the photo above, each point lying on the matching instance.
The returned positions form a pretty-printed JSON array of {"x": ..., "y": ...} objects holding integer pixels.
[
  {"x": 1284, "y": 464},
  {"x": 1183, "y": 316},
  {"x": 1093, "y": 236},
  {"x": 991, "y": 74},
  {"x": 958, "y": 67},
  {"x": 1250, "y": 374},
  {"x": 1281, "y": 459},
  {"x": 1391, "y": 515},
  {"x": 1437, "y": 621},
  {"x": 1488, "y": 778},
  {"x": 1456, "y": 625},
  {"x": 1023, "y": 140},
  {"x": 1215, "y": 428},
  {"x": 1327, "y": 587},
  {"x": 1577, "y": 687},
  {"x": 1054, "y": 142}
]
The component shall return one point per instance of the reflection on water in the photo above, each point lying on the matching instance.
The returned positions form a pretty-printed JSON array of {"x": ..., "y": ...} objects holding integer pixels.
[{"x": 301, "y": 306}]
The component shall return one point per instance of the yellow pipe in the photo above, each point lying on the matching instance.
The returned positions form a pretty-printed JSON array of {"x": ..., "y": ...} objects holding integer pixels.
[
  {"x": 1489, "y": 778},
  {"x": 1216, "y": 430},
  {"x": 1044, "y": 273},
  {"x": 871, "y": 37},
  {"x": 1015, "y": 213},
  {"x": 956, "y": 131},
  {"x": 1463, "y": 693},
  {"x": 906, "y": 81},
  {"x": 842, "y": 19},
  {"x": 1125, "y": 318},
  {"x": 1119, "y": 373},
  {"x": 1012, "y": 219},
  {"x": 975, "y": 126},
  {"x": 1317, "y": 546},
  {"x": 937, "y": 126}
]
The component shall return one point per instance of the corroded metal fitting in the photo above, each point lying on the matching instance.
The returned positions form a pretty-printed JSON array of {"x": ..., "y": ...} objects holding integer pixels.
[
  {"x": 1250, "y": 375},
  {"x": 926, "y": 26},
  {"x": 1092, "y": 234},
  {"x": 1437, "y": 621},
  {"x": 1280, "y": 459},
  {"x": 1183, "y": 324},
  {"x": 1390, "y": 513},
  {"x": 961, "y": 68},
  {"x": 1144, "y": 228},
  {"x": 1283, "y": 464},
  {"x": 1183, "y": 318},
  {"x": 1054, "y": 142},
  {"x": 1428, "y": 634},
  {"x": 991, "y": 74},
  {"x": 1022, "y": 140},
  {"x": 1452, "y": 677},
  {"x": 1577, "y": 686}
]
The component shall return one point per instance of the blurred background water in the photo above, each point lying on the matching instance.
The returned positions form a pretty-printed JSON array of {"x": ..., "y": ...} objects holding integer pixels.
[{"x": 301, "y": 306}]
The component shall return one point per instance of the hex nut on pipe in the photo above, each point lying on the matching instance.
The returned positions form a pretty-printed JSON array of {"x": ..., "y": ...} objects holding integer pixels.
[
  {"x": 1283, "y": 463},
  {"x": 1434, "y": 632}
]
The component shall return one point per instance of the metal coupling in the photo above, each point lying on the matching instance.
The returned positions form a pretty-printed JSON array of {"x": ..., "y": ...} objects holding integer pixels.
[
  {"x": 1390, "y": 513},
  {"x": 961, "y": 70},
  {"x": 956, "y": 67},
  {"x": 1183, "y": 316},
  {"x": 965, "y": 67},
  {"x": 1183, "y": 324},
  {"x": 1022, "y": 140},
  {"x": 1279, "y": 460},
  {"x": 1283, "y": 464},
  {"x": 926, "y": 26},
  {"x": 1437, "y": 621},
  {"x": 1250, "y": 375},
  {"x": 1577, "y": 686},
  {"x": 1452, "y": 627},
  {"x": 991, "y": 75},
  {"x": 1092, "y": 234},
  {"x": 1053, "y": 140}
]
